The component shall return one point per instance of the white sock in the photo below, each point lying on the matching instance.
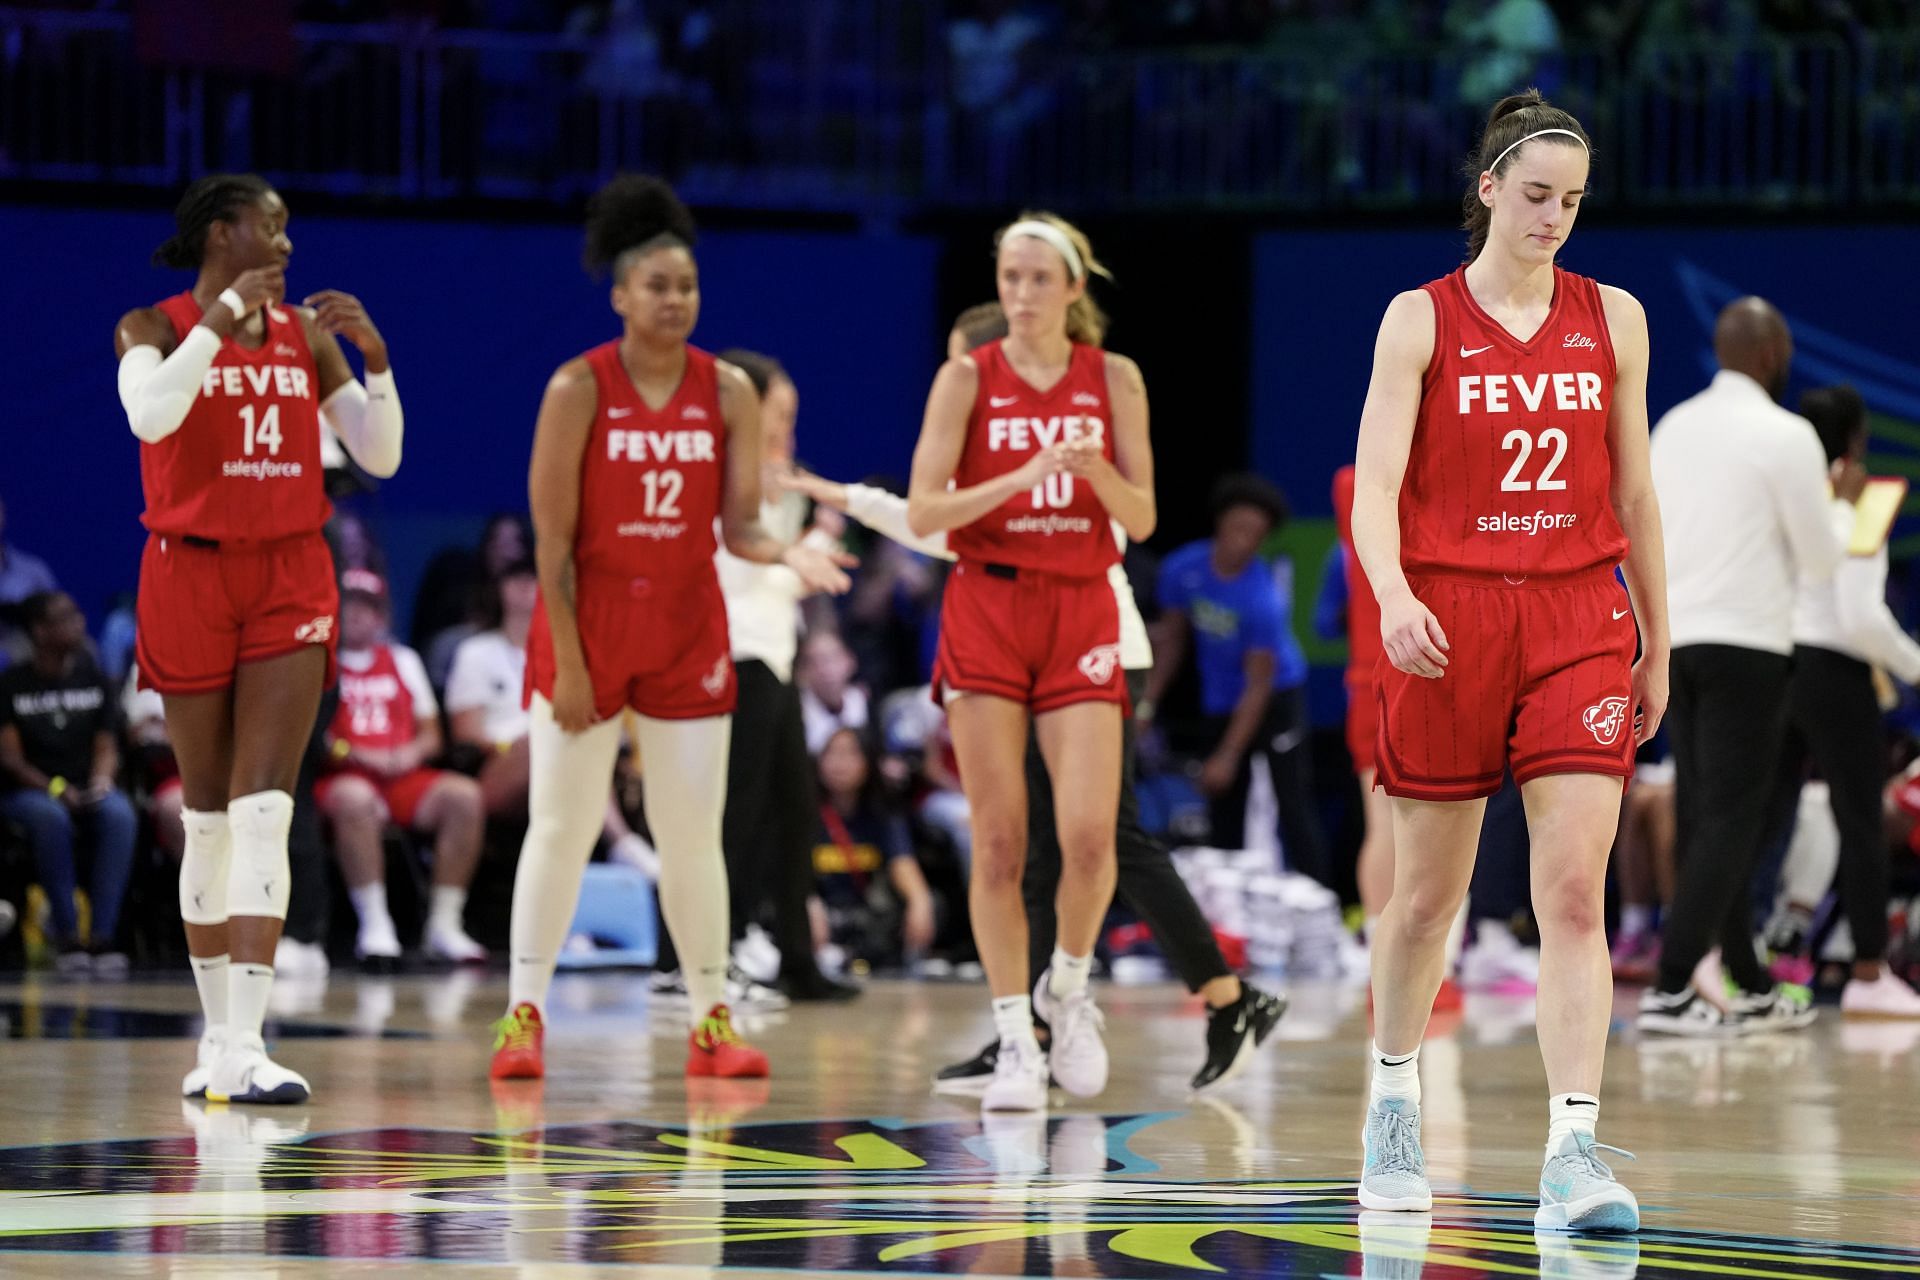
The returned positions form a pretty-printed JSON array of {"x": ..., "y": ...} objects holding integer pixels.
[
  {"x": 1635, "y": 920},
  {"x": 1013, "y": 1020},
  {"x": 1067, "y": 977},
  {"x": 248, "y": 986},
  {"x": 1570, "y": 1113},
  {"x": 448, "y": 909},
  {"x": 370, "y": 905},
  {"x": 1395, "y": 1075},
  {"x": 210, "y": 975}
]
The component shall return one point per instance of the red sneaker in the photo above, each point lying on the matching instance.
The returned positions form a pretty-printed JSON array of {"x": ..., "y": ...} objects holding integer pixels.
[
  {"x": 519, "y": 1042},
  {"x": 714, "y": 1048}
]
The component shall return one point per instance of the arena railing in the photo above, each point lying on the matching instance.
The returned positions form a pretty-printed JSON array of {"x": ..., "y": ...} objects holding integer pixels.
[{"x": 857, "y": 106}]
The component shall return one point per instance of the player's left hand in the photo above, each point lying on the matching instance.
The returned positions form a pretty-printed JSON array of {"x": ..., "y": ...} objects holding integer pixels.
[
  {"x": 1081, "y": 456},
  {"x": 1217, "y": 774},
  {"x": 1649, "y": 698},
  {"x": 342, "y": 315},
  {"x": 821, "y": 570}
]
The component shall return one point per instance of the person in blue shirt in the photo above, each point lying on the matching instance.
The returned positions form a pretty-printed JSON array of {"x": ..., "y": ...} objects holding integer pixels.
[{"x": 1233, "y": 609}]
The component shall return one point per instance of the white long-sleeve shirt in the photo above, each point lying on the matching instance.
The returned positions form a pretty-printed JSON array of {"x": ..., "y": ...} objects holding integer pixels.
[
  {"x": 1747, "y": 515},
  {"x": 1848, "y": 614},
  {"x": 886, "y": 514}
]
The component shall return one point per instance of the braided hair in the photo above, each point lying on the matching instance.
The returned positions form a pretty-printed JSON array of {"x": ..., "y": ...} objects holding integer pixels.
[
  {"x": 218, "y": 197},
  {"x": 629, "y": 216}
]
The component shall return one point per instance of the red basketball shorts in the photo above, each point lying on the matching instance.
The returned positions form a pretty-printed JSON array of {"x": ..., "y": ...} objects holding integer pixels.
[
  {"x": 1363, "y": 723},
  {"x": 202, "y": 611},
  {"x": 402, "y": 795},
  {"x": 657, "y": 646},
  {"x": 1540, "y": 681},
  {"x": 1034, "y": 638}
]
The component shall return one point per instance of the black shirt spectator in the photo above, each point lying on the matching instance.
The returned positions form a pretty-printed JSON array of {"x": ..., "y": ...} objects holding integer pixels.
[{"x": 59, "y": 716}]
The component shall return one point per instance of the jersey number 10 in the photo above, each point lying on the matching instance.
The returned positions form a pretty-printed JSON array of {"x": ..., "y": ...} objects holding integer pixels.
[
  {"x": 1055, "y": 491},
  {"x": 266, "y": 431},
  {"x": 1552, "y": 437}
]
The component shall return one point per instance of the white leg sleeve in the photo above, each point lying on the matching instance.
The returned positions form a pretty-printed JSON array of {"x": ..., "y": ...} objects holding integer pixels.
[
  {"x": 566, "y": 801},
  {"x": 260, "y": 884},
  {"x": 203, "y": 867},
  {"x": 1813, "y": 855},
  {"x": 684, "y": 772}
]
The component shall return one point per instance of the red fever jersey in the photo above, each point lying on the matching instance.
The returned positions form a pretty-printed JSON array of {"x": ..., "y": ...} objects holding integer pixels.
[
  {"x": 376, "y": 708},
  {"x": 1510, "y": 472},
  {"x": 1060, "y": 526},
  {"x": 651, "y": 480},
  {"x": 245, "y": 464}
]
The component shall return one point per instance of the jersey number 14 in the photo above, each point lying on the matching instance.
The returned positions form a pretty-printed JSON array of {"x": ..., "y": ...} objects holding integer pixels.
[{"x": 265, "y": 431}]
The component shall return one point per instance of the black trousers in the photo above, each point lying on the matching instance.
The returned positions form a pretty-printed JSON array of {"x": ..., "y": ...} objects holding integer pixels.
[
  {"x": 767, "y": 829},
  {"x": 1147, "y": 880},
  {"x": 1284, "y": 741},
  {"x": 1728, "y": 721},
  {"x": 1834, "y": 722},
  {"x": 310, "y": 899}
]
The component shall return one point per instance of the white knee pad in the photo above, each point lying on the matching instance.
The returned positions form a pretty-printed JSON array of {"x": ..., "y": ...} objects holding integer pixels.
[
  {"x": 260, "y": 883},
  {"x": 203, "y": 868}
]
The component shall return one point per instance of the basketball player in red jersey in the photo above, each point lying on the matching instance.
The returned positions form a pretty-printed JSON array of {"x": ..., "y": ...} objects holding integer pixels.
[
  {"x": 1502, "y": 477},
  {"x": 1030, "y": 447},
  {"x": 227, "y": 387},
  {"x": 642, "y": 446}
]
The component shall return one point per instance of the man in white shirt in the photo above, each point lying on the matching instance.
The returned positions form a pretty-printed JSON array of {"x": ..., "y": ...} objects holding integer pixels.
[{"x": 1749, "y": 520}]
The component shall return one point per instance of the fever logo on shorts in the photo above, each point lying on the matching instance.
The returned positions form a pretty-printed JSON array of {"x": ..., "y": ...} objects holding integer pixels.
[
  {"x": 1605, "y": 719},
  {"x": 315, "y": 632},
  {"x": 715, "y": 681},
  {"x": 1097, "y": 663}
]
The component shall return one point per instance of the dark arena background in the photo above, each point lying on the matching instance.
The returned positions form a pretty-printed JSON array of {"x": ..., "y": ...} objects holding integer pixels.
[{"x": 1261, "y": 177}]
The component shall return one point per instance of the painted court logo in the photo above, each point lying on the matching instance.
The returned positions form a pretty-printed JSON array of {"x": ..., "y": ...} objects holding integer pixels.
[
  {"x": 1097, "y": 663},
  {"x": 1605, "y": 718}
]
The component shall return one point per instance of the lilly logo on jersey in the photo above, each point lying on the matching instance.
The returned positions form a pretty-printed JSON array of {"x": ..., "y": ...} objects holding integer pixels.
[
  {"x": 694, "y": 412},
  {"x": 1604, "y": 719},
  {"x": 1098, "y": 663},
  {"x": 1579, "y": 341},
  {"x": 1086, "y": 399}
]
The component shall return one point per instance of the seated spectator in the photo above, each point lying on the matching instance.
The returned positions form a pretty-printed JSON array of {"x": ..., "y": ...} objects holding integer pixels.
[
  {"x": 58, "y": 762},
  {"x": 387, "y": 728},
  {"x": 488, "y": 719},
  {"x": 455, "y": 590},
  {"x": 21, "y": 576},
  {"x": 155, "y": 768},
  {"x": 829, "y": 699},
  {"x": 916, "y": 730},
  {"x": 872, "y": 918}
]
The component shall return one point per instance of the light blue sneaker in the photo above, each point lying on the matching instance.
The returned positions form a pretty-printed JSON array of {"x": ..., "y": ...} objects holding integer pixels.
[
  {"x": 1579, "y": 1193},
  {"x": 1393, "y": 1174}
]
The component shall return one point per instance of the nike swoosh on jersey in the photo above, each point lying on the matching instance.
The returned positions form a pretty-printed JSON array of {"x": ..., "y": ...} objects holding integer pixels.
[
  {"x": 1001, "y": 402},
  {"x": 1464, "y": 353}
]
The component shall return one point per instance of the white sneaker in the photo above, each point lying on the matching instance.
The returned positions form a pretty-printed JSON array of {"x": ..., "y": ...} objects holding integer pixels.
[
  {"x": 1019, "y": 1078},
  {"x": 244, "y": 1073},
  {"x": 757, "y": 956},
  {"x": 743, "y": 992},
  {"x": 378, "y": 940},
  {"x": 450, "y": 942},
  {"x": 1885, "y": 997},
  {"x": 1078, "y": 1051},
  {"x": 211, "y": 1047},
  {"x": 293, "y": 959},
  {"x": 1497, "y": 962}
]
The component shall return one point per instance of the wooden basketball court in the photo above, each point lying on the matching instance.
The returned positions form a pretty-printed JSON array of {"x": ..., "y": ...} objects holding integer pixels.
[{"x": 1780, "y": 1156}]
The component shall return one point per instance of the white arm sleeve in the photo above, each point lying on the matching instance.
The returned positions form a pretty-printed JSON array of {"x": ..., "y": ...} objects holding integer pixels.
[
  {"x": 157, "y": 393},
  {"x": 368, "y": 421},
  {"x": 886, "y": 514},
  {"x": 1861, "y": 592}
]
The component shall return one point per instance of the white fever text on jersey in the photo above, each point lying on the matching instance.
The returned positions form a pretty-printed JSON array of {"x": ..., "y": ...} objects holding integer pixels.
[
  {"x": 1517, "y": 393},
  {"x": 1020, "y": 435},
  {"x": 660, "y": 446}
]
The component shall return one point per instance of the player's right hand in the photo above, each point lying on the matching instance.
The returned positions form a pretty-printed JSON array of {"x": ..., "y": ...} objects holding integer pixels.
[
  {"x": 821, "y": 570},
  {"x": 1414, "y": 641},
  {"x": 1849, "y": 476},
  {"x": 260, "y": 286},
  {"x": 1044, "y": 463},
  {"x": 572, "y": 701}
]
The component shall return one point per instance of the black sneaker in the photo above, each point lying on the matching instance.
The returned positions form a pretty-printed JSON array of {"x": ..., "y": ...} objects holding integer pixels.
[
  {"x": 1684, "y": 1013},
  {"x": 817, "y": 986},
  {"x": 1234, "y": 1032},
  {"x": 969, "y": 1078}
]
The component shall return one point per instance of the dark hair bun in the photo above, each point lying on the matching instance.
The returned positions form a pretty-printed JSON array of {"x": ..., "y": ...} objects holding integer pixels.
[{"x": 631, "y": 211}]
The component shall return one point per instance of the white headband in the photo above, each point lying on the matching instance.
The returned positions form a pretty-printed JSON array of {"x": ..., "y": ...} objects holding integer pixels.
[
  {"x": 1529, "y": 138},
  {"x": 1051, "y": 235}
]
